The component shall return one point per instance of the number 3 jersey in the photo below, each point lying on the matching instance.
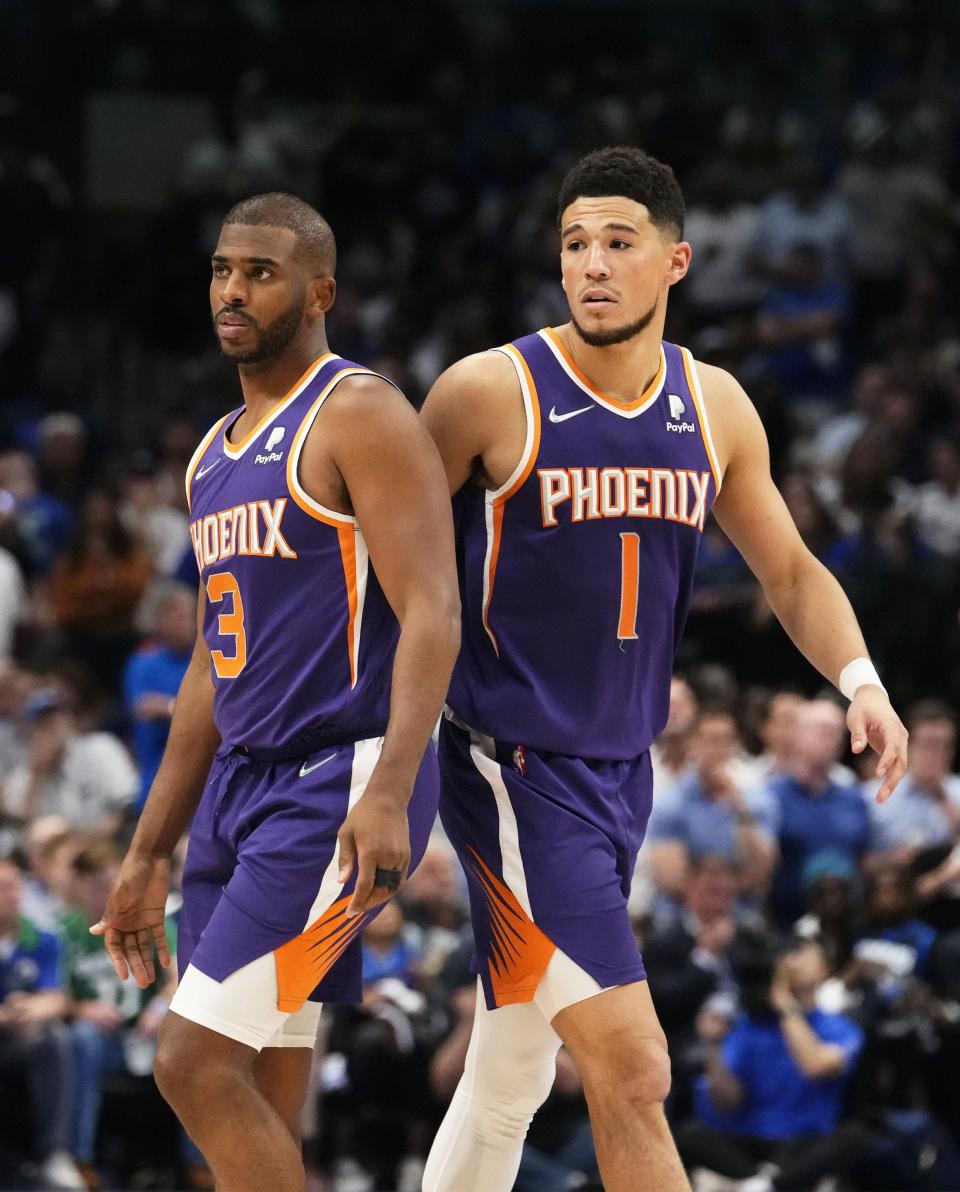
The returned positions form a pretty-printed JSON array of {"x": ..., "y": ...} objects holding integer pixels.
[
  {"x": 576, "y": 574},
  {"x": 301, "y": 637}
]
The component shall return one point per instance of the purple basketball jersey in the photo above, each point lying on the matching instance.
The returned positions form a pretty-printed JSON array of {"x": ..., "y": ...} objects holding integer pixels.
[
  {"x": 300, "y": 634},
  {"x": 576, "y": 574}
]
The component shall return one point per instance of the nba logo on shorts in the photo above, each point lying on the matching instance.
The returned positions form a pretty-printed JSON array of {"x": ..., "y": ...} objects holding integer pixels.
[
  {"x": 276, "y": 436},
  {"x": 520, "y": 760}
]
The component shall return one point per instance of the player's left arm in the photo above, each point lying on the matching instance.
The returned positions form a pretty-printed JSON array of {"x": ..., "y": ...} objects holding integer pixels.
[
  {"x": 807, "y": 600},
  {"x": 398, "y": 489}
]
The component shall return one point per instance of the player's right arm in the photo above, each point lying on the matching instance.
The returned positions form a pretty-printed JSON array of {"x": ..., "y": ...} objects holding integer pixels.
[
  {"x": 133, "y": 920},
  {"x": 475, "y": 415}
]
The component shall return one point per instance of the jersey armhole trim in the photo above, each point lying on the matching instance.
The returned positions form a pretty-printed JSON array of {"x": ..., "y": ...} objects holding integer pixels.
[
  {"x": 696, "y": 392},
  {"x": 496, "y": 499},
  {"x": 198, "y": 455},
  {"x": 531, "y": 408},
  {"x": 332, "y": 517}
]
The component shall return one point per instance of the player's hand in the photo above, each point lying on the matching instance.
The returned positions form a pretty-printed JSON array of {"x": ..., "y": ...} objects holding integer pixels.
[
  {"x": 375, "y": 835},
  {"x": 872, "y": 721},
  {"x": 132, "y": 924}
]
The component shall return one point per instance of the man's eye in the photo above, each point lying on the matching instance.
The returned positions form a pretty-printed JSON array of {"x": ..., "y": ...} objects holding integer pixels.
[
  {"x": 574, "y": 245},
  {"x": 261, "y": 274},
  {"x": 619, "y": 244}
]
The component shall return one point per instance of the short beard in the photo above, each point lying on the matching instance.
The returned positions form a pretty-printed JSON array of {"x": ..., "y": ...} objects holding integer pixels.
[
  {"x": 615, "y": 335},
  {"x": 274, "y": 338}
]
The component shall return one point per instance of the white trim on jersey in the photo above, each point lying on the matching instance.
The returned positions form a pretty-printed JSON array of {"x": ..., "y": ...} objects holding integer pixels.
[
  {"x": 511, "y": 354},
  {"x": 300, "y": 437},
  {"x": 704, "y": 417},
  {"x": 362, "y": 557},
  {"x": 237, "y": 452},
  {"x": 595, "y": 396}
]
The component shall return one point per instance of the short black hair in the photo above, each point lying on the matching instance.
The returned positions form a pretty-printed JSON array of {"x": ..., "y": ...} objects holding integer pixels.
[
  {"x": 631, "y": 173},
  {"x": 315, "y": 239}
]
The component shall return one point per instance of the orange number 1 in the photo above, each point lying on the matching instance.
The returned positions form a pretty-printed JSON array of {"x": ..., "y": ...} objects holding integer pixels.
[
  {"x": 229, "y": 624},
  {"x": 629, "y": 586}
]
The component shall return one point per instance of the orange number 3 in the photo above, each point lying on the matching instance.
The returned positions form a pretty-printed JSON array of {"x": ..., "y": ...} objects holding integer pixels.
[
  {"x": 229, "y": 624},
  {"x": 629, "y": 586}
]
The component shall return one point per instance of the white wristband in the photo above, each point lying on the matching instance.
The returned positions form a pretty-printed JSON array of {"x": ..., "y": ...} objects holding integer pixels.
[{"x": 857, "y": 674}]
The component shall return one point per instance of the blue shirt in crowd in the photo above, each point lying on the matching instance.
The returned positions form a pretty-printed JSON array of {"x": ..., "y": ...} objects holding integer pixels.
[
  {"x": 805, "y": 824},
  {"x": 780, "y": 1102},
  {"x": 703, "y": 825},
  {"x": 914, "y": 818},
  {"x": 152, "y": 670},
  {"x": 30, "y": 962}
]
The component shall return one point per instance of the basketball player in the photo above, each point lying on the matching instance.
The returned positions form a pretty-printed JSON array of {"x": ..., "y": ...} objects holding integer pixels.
[
  {"x": 320, "y": 519},
  {"x": 586, "y": 459}
]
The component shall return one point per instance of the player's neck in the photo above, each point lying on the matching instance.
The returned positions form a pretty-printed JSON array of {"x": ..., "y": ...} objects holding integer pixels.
[
  {"x": 622, "y": 371},
  {"x": 266, "y": 384}
]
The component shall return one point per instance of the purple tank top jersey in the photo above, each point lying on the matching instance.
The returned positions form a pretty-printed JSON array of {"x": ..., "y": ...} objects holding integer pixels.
[
  {"x": 300, "y": 634},
  {"x": 576, "y": 574}
]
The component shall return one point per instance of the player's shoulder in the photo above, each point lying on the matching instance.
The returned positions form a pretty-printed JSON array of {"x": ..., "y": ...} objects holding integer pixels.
[
  {"x": 477, "y": 375},
  {"x": 733, "y": 419}
]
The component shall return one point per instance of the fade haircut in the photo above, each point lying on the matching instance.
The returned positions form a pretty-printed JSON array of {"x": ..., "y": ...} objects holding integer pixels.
[
  {"x": 316, "y": 245},
  {"x": 632, "y": 174}
]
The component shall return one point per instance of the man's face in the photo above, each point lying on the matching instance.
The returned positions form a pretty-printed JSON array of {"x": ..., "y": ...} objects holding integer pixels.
[
  {"x": 712, "y": 892},
  {"x": 932, "y": 745},
  {"x": 91, "y": 890},
  {"x": 778, "y": 728},
  {"x": 258, "y": 292},
  {"x": 716, "y": 741},
  {"x": 616, "y": 267},
  {"x": 818, "y": 736},
  {"x": 177, "y": 622}
]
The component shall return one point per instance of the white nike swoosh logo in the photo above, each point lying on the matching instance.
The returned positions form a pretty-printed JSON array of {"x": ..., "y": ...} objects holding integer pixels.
[
  {"x": 209, "y": 468},
  {"x": 305, "y": 769},
  {"x": 555, "y": 417}
]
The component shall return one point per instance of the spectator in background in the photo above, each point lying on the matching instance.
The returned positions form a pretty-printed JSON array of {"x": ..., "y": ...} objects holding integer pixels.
[
  {"x": 777, "y": 721},
  {"x": 672, "y": 753},
  {"x": 106, "y": 1010},
  {"x": 799, "y": 327},
  {"x": 34, "y": 1056},
  {"x": 49, "y": 846},
  {"x": 62, "y": 457},
  {"x": 388, "y": 952},
  {"x": 161, "y": 529},
  {"x": 836, "y": 436},
  {"x": 154, "y": 672},
  {"x": 938, "y": 500},
  {"x": 811, "y": 812},
  {"x": 774, "y": 1086},
  {"x": 833, "y": 906},
  {"x": 42, "y": 524},
  {"x": 96, "y": 586},
  {"x": 87, "y": 778},
  {"x": 723, "y": 226},
  {"x": 925, "y": 815},
  {"x": 687, "y": 960},
  {"x": 708, "y": 812},
  {"x": 804, "y": 213},
  {"x": 435, "y": 905}
]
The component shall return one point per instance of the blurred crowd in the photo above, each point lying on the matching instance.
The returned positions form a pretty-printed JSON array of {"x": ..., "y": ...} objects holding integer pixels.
[{"x": 802, "y": 941}]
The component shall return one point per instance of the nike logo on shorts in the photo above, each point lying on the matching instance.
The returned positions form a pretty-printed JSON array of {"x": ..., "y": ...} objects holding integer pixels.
[
  {"x": 555, "y": 417},
  {"x": 305, "y": 769}
]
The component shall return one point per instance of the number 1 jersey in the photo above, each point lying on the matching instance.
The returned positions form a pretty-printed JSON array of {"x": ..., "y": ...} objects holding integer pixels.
[
  {"x": 300, "y": 634},
  {"x": 576, "y": 574}
]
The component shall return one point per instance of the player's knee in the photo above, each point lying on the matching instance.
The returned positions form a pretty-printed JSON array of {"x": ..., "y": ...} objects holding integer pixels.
[
  {"x": 187, "y": 1076},
  {"x": 638, "y": 1074},
  {"x": 506, "y": 1097}
]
